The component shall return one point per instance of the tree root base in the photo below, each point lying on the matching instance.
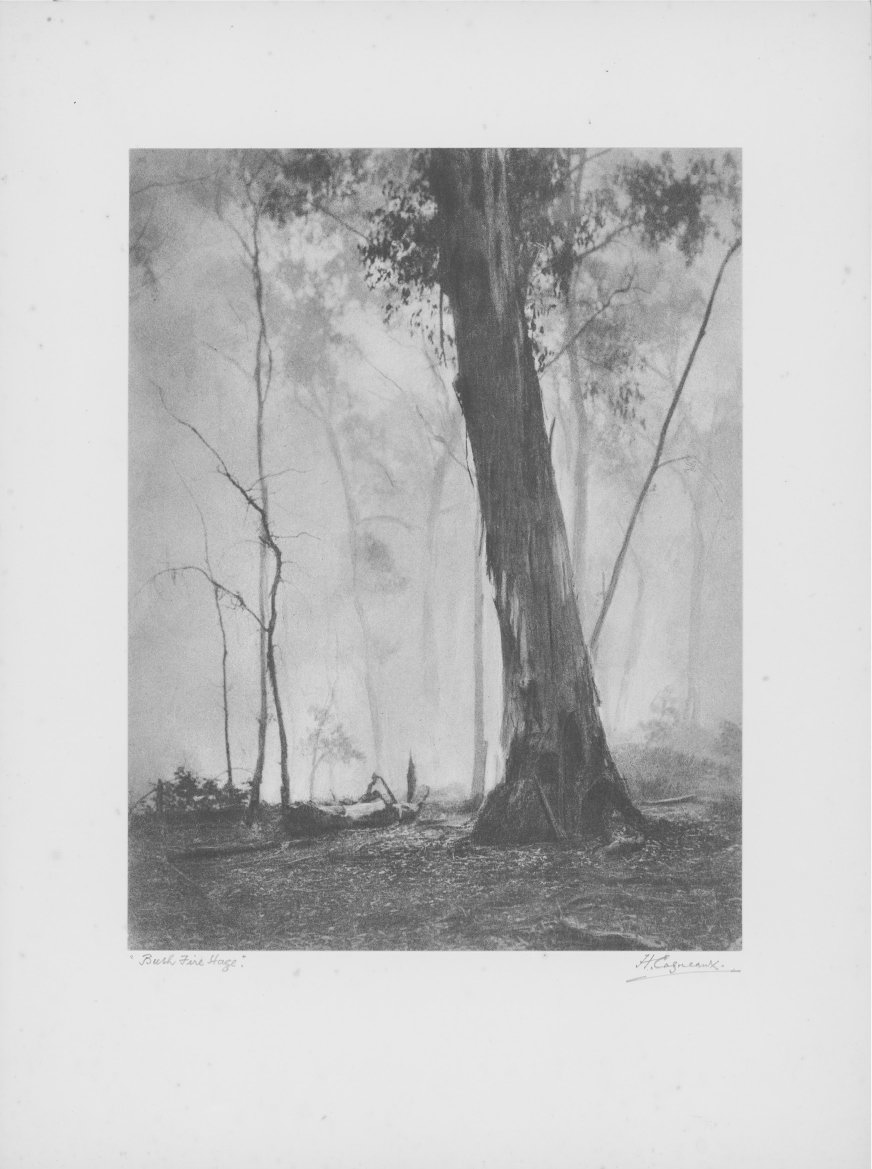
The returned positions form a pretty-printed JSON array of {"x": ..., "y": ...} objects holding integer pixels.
[{"x": 516, "y": 816}]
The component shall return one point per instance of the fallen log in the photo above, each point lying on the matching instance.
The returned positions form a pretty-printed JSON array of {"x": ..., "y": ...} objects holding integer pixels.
[
  {"x": 305, "y": 819},
  {"x": 308, "y": 819},
  {"x": 372, "y": 814},
  {"x": 210, "y": 851}
]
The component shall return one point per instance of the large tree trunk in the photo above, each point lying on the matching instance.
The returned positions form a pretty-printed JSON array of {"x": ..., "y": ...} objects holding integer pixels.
[
  {"x": 555, "y": 748},
  {"x": 581, "y": 462},
  {"x": 580, "y": 467},
  {"x": 479, "y": 746}
]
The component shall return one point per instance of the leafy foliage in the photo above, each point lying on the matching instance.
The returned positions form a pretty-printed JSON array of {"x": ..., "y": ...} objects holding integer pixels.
[
  {"x": 327, "y": 741},
  {"x": 667, "y": 205},
  {"x": 401, "y": 255},
  {"x": 558, "y": 227},
  {"x": 665, "y": 718},
  {"x": 189, "y": 792},
  {"x": 296, "y": 182}
]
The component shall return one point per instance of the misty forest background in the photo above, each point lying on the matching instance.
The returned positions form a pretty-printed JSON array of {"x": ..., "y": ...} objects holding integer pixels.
[{"x": 386, "y": 640}]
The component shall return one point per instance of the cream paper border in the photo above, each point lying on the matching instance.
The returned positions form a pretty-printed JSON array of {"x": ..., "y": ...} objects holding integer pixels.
[{"x": 405, "y": 1060}]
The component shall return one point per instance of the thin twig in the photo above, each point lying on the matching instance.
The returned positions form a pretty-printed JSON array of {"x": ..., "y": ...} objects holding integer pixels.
[
  {"x": 231, "y": 595},
  {"x": 225, "y": 471},
  {"x": 587, "y": 324}
]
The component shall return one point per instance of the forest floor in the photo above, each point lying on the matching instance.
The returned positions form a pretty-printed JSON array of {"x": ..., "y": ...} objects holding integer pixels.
[{"x": 426, "y": 886}]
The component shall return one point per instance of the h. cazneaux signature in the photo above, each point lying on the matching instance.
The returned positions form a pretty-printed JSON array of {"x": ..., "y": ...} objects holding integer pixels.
[{"x": 664, "y": 965}]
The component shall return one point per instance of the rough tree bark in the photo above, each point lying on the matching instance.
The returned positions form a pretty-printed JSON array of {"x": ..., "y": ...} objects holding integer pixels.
[
  {"x": 552, "y": 735},
  {"x": 580, "y": 473},
  {"x": 581, "y": 461}
]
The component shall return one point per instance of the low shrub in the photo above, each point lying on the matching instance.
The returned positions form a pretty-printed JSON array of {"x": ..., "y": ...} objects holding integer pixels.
[
  {"x": 656, "y": 773},
  {"x": 188, "y": 792}
]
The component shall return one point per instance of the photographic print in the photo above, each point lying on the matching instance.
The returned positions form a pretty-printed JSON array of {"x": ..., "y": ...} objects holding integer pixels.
[
  {"x": 436, "y": 580},
  {"x": 435, "y": 549}
]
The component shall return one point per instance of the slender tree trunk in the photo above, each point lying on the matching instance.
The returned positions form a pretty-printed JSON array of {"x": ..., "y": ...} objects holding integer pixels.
[
  {"x": 261, "y": 388},
  {"x": 263, "y": 714},
  {"x": 268, "y": 591},
  {"x": 269, "y": 543},
  {"x": 479, "y": 746},
  {"x": 634, "y": 643},
  {"x": 224, "y": 688},
  {"x": 555, "y": 748},
  {"x": 658, "y": 453},
  {"x": 219, "y": 613},
  {"x": 312, "y": 778},
  {"x": 697, "y": 494},
  {"x": 429, "y": 653},
  {"x": 280, "y": 718},
  {"x": 694, "y": 632},
  {"x": 353, "y": 517}
]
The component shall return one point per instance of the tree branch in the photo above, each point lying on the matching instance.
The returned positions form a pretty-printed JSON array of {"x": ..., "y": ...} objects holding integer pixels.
[
  {"x": 235, "y": 598},
  {"x": 222, "y": 466},
  {"x": 664, "y": 430},
  {"x": 599, "y": 312},
  {"x": 170, "y": 183},
  {"x": 230, "y": 360}
]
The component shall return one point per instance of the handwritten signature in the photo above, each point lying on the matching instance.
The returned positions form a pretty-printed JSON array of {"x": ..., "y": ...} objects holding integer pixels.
[
  {"x": 216, "y": 961},
  {"x": 665, "y": 966}
]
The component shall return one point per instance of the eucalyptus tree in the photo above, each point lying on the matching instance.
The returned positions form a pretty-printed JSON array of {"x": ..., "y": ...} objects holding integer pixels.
[
  {"x": 475, "y": 239},
  {"x": 484, "y": 228}
]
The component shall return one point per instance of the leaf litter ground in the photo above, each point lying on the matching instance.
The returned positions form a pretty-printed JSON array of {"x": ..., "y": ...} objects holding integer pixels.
[{"x": 427, "y": 886}]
